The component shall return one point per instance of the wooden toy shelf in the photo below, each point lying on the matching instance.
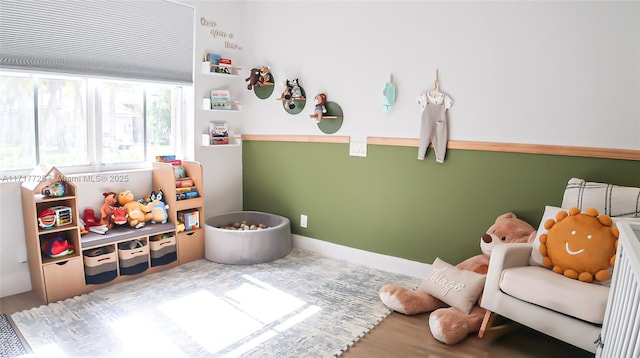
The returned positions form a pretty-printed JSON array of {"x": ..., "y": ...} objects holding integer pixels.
[
  {"x": 82, "y": 268},
  {"x": 190, "y": 243}
]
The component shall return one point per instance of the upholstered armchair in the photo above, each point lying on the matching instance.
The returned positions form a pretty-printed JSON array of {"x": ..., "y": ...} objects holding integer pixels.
[{"x": 521, "y": 289}]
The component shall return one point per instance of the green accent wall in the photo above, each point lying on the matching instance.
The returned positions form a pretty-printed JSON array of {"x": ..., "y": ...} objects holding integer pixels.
[{"x": 393, "y": 204}]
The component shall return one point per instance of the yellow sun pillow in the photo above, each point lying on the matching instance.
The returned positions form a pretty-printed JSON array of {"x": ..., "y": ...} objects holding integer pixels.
[{"x": 580, "y": 245}]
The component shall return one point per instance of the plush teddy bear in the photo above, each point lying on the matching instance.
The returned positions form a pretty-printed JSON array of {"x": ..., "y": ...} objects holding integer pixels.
[
  {"x": 449, "y": 324},
  {"x": 253, "y": 79}
]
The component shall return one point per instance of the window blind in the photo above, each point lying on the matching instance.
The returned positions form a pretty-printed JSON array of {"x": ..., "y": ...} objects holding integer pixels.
[{"x": 145, "y": 40}]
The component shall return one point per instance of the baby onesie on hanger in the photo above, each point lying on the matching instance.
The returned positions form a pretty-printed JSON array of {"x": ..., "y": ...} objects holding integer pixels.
[{"x": 433, "y": 126}]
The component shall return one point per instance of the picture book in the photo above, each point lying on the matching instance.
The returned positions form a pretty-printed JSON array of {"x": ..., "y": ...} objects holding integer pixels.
[
  {"x": 220, "y": 99},
  {"x": 179, "y": 171},
  {"x": 219, "y": 133},
  {"x": 214, "y": 61},
  {"x": 171, "y": 159},
  {"x": 224, "y": 66}
]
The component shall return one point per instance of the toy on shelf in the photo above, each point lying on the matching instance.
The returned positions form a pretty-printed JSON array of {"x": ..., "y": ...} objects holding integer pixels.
[
  {"x": 47, "y": 219},
  {"x": 253, "y": 79},
  {"x": 118, "y": 215},
  {"x": 292, "y": 92},
  {"x": 190, "y": 219},
  {"x": 90, "y": 219},
  {"x": 320, "y": 100},
  {"x": 159, "y": 210},
  {"x": 137, "y": 214},
  {"x": 54, "y": 190},
  {"x": 259, "y": 77},
  {"x": 56, "y": 246},
  {"x": 63, "y": 215},
  {"x": 265, "y": 76},
  {"x": 105, "y": 211}
]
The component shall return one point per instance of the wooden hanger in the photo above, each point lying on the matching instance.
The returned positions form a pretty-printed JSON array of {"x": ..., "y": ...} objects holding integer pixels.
[{"x": 436, "y": 92}]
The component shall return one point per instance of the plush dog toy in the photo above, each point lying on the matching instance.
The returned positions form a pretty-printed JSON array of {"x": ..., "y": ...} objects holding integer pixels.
[{"x": 449, "y": 324}]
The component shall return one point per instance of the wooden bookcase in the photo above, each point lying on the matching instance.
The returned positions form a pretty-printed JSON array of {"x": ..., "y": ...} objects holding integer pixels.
[
  {"x": 190, "y": 243},
  {"x": 51, "y": 278},
  {"x": 56, "y": 278}
]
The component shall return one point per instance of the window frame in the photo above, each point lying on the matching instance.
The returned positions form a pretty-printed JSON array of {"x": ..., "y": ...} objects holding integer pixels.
[{"x": 94, "y": 124}]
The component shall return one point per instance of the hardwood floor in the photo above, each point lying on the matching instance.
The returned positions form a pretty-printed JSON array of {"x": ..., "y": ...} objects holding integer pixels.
[{"x": 408, "y": 336}]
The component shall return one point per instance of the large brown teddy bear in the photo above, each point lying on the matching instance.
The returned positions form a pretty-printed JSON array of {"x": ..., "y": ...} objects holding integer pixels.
[{"x": 449, "y": 324}]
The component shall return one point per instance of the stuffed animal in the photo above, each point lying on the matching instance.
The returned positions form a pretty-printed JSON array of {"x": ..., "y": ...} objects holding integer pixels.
[
  {"x": 137, "y": 213},
  {"x": 159, "y": 211},
  {"x": 119, "y": 215},
  {"x": 286, "y": 94},
  {"x": 110, "y": 199},
  {"x": 296, "y": 90},
  {"x": 292, "y": 91},
  {"x": 90, "y": 219},
  {"x": 449, "y": 324},
  {"x": 320, "y": 101},
  {"x": 265, "y": 76},
  {"x": 254, "y": 78}
]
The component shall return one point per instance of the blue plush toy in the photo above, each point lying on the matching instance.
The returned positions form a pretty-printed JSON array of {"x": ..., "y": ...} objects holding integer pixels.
[{"x": 160, "y": 207}]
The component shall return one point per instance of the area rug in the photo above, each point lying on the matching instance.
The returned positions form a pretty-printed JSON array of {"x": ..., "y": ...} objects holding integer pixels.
[
  {"x": 10, "y": 344},
  {"x": 303, "y": 305}
]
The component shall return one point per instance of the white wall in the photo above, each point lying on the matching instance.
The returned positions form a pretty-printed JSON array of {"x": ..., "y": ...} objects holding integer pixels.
[
  {"x": 222, "y": 165},
  {"x": 14, "y": 272},
  {"x": 565, "y": 73}
]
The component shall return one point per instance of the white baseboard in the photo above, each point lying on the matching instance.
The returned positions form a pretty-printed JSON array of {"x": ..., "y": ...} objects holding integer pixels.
[{"x": 383, "y": 262}]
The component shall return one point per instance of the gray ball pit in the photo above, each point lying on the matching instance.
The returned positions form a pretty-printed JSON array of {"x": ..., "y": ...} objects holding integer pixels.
[{"x": 245, "y": 247}]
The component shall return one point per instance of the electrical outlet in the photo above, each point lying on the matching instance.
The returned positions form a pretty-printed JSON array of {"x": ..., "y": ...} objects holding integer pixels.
[
  {"x": 303, "y": 221},
  {"x": 358, "y": 149}
]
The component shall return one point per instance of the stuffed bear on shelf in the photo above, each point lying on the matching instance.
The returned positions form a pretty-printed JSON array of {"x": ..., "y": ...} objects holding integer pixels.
[{"x": 451, "y": 293}]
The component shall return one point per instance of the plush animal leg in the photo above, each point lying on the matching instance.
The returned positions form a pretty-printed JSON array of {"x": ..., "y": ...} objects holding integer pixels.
[
  {"x": 409, "y": 302},
  {"x": 450, "y": 325}
]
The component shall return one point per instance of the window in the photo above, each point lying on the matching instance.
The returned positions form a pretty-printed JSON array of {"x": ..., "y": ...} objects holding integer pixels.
[{"x": 86, "y": 124}]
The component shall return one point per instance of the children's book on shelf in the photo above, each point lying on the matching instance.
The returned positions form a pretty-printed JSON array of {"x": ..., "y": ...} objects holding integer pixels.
[
  {"x": 180, "y": 172},
  {"x": 171, "y": 159},
  {"x": 219, "y": 64},
  {"x": 184, "y": 182},
  {"x": 224, "y": 66},
  {"x": 219, "y": 133},
  {"x": 220, "y": 99},
  {"x": 214, "y": 61}
]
